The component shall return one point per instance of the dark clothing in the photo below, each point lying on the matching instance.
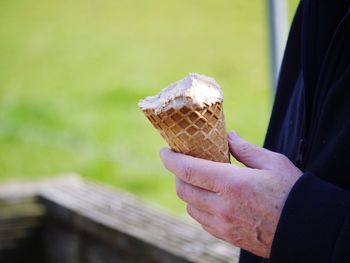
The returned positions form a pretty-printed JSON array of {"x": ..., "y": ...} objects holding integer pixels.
[{"x": 310, "y": 124}]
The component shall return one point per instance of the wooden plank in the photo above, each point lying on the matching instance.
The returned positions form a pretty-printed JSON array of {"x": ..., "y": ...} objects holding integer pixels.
[
  {"x": 21, "y": 210},
  {"x": 20, "y": 221},
  {"x": 109, "y": 220},
  {"x": 13, "y": 234},
  {"x": 18, "y": 191},
  {"x": 89, "y": 223},
  {"x": 7, "y": 244}
]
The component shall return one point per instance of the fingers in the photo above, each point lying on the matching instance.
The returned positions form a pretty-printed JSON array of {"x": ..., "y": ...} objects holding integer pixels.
[
  {"x": 202, "y": 217},
  {"x": 205, "y": 174},
  {"x": 209, "y": 222},
  {"x": 250, "y": 154},
  {"x": 198, "y": 197}
]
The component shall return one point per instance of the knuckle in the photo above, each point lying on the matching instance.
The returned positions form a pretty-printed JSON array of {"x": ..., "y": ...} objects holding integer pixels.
[
  {"x": 281, "y": 158},
  {"x": 189, "y": 209},
  {"x": 242, "y": 148},
  {"x": 191, "y": 212},
  {"x": 243, "y": 151},
  {"x": 281, "y": 161},
  {"x": 180, "y": 192},
  {"x": 187, "y": 171}
]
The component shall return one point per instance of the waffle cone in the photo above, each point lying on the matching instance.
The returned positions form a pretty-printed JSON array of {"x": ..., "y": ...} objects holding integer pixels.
[{"x": 197, "y": 132}]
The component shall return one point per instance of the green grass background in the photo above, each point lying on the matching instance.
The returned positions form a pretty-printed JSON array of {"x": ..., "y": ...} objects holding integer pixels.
[{"x": 72, "y": 72}]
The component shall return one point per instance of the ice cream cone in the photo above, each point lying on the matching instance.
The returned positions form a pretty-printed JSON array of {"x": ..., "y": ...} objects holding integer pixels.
[{"x": 192, "y": 129}]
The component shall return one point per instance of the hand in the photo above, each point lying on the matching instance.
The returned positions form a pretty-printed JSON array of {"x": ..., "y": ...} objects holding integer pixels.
[{"x": 240, "y": 205}]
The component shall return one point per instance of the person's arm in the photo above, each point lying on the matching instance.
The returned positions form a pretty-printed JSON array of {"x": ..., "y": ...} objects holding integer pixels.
[{"x": 314, "y": 225}]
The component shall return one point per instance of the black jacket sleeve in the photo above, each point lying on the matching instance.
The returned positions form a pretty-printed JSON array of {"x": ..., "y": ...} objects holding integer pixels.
[
  {"x": 315, "y": 221},
  {"x": 312, "y": 106},
  {"x": 314, "y": 225}
]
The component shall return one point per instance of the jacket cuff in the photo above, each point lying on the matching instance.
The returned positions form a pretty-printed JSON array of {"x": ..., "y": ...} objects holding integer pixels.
[{"x": 311, "y": 221}]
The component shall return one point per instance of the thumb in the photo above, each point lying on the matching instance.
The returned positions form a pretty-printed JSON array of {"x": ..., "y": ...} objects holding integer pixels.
[{"x": 249, "y": 154}]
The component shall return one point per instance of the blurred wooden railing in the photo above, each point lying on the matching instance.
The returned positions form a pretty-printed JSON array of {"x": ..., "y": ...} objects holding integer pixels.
[{"x": 72, "y": 220}]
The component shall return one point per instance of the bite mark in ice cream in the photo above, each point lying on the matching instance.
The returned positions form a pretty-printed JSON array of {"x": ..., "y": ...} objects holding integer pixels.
[{"x": 195, "y": 89}]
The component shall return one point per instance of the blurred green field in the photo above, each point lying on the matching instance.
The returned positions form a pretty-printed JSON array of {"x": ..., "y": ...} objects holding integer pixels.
[{"x": 72, "y": 72}]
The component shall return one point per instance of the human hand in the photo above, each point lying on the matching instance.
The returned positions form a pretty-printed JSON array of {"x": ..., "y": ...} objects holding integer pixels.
[{"x": 240, "y": 205}]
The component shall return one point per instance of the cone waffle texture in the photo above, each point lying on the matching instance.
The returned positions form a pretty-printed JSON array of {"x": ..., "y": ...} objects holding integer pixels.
[{"x": 197, "y": 132}]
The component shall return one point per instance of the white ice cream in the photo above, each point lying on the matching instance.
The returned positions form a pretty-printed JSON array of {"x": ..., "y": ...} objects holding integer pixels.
[{"x": 196, "y": 89}]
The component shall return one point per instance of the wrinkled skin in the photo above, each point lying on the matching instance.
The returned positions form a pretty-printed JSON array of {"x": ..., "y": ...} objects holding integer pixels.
[{"x": 240, "y": 205}]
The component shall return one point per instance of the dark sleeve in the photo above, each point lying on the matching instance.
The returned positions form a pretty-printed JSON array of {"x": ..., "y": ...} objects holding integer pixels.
[{"x": 314, "y": 224}]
